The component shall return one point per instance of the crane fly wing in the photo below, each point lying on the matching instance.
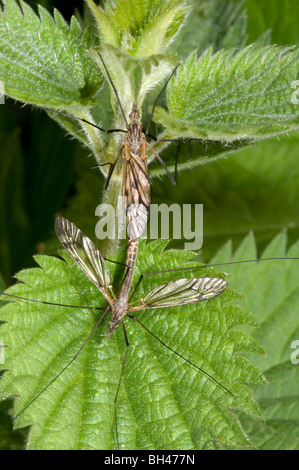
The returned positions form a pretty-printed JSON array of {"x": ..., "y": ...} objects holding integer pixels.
[
  {"x": 137, "y": 215},
  {"x": 137, "y": 192},
  {"x": 84, "y": 253},
  {"x": 183, "y": 291}
]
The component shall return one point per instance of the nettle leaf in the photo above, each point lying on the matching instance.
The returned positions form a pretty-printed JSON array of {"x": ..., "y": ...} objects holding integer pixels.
[
  {"x": 164, "y": 402},
  {"x": 132, "y": 77},
  {"x": 140, "y": 28},
  {"x": 242, "y": 193},
  {"x": 231, "y": 96},
  {"x": 279, "y": 17},
  {"x": 44, "y": 61},
  {"x": 217, "y": 23},
  {"x": 272, "y": 294},
  {"x": 279, "y": 401}
]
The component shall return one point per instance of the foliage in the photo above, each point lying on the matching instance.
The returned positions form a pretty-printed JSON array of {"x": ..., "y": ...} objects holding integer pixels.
[
  {"x": 45, "y": 61},
  {"x": 46, "y": 337},
  {"x": 275, "y": 304}
]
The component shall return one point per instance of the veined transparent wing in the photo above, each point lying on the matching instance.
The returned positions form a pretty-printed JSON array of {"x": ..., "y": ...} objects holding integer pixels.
[
  {"x": 183, "y": 291},
  {"x": 137, "y": 215},
  {"x": 84, "y": 253},
  {"x": 137, "y": 193}
]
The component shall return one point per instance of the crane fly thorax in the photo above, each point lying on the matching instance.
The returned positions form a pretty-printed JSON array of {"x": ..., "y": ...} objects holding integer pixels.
[
  {"x": 135, "y": 137},
  {"x": 118, "y": 311}
]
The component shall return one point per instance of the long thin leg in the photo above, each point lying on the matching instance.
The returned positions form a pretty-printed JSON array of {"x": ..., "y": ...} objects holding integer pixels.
[
  {"x": 115, "y": 91},
  {"x": 176, "y": 161},
  {"x": 120, "y": 380},
  {"x": 68, "y": 364},
  {"x": 50, "y": 303},
  {"x": 156, "y": 100},
  {"x": 61, "y": 113},
  {"x": 180, "y": 355},
  {"x": 162, "y": 163},
  {"x": 196, "y": 139},
  {"x": 112, "y": 168},
  {"x": 212, "y": 265}
]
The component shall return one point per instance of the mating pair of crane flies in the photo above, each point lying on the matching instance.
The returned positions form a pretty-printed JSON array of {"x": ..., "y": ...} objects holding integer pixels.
[
  {"x": 175, "y": 293},
  {"x": 136, "y": 190}
]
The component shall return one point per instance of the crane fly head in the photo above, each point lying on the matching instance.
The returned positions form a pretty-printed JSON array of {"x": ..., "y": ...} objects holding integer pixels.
[{"x": 135, "y": 115}]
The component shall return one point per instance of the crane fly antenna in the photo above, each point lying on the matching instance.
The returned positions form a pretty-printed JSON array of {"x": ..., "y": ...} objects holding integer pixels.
[
  {"x": 182, "y": 357},
  {"x": 115, "y": 91}
]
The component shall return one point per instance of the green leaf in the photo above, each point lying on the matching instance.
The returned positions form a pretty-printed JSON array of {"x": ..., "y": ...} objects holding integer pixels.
[
  {"x": 229, "y": 96},
  {"x": 272, "y": 293},
  {"x": 43, "y": 61},
  {"x": 276, "y": 303},
  {"x": 279, "y": 402},
  {"x": 217, "y": 23},
  {"x": 164, "y": 402},
  {"x": 255, "y": 189},
  {"x": 279, "y": 17},
  {"x": 132, "y": 77},
  {"x": 141, "y": 28}
]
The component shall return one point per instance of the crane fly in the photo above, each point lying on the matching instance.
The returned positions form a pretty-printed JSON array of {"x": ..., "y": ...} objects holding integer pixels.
[
  {"x": 173, "y": 293},
  {"x": 123, "y": 311},
  {"x": 179, "y": 292},
  {"x": 136, "y": 182},
  {"x": 136, "y": 189}
]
